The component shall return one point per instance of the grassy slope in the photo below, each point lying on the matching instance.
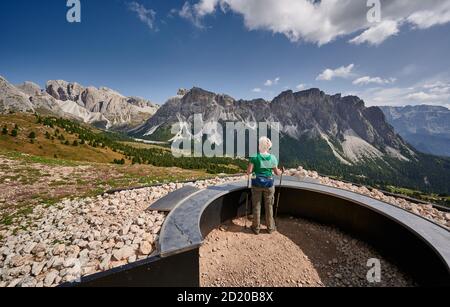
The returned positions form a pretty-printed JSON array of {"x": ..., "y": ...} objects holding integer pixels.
[
  {"x": 48, "y": 148},
  {"x": 26, "y": 181},
  {"x": 30, "y": 174}
]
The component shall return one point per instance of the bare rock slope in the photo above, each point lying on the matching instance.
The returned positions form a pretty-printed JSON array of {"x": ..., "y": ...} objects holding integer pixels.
[{"x": 103, "y": 107}]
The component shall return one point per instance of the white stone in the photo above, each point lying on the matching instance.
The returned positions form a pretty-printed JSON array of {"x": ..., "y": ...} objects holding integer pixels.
[
  {"x": 145, "y": 248},
  {"x": 29, "y": 247},
  {"x": 123, "y": 253},
  {"x": 105, "y": 264},
  {"x": 50, "y": 278},
  {"x": 70, "y": 262},
  {"x": 37, "y": 268},
  {"x": 59, "y": 249}
]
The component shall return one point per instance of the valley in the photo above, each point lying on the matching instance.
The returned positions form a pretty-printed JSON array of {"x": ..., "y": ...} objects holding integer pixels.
[{"x": 65, "y": 159}]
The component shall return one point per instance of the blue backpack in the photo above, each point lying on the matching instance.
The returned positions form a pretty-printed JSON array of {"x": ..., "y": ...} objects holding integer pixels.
[{"x": 262, "y": 182}]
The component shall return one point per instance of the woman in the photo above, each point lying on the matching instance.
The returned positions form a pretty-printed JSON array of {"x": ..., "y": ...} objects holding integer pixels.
[{"x": 263, "y": 166}]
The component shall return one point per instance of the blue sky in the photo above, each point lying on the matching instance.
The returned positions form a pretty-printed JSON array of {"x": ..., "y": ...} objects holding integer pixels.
[{"x": 244, "y": 49}]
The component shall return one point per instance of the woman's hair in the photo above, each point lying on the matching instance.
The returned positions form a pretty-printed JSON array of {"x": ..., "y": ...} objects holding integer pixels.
[{"x": 265, "y": 144}]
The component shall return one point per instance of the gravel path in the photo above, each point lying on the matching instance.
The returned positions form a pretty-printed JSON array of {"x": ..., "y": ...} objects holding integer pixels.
[{"x": 300, "y": 254}]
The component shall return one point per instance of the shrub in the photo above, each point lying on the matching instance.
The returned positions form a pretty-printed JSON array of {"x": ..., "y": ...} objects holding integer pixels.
[
  {"x": 32, "y": 135},
  {"x": 14, "y": 133},
  {"x": 120, "y": 162},
  {"x": 5, "y": 130}
]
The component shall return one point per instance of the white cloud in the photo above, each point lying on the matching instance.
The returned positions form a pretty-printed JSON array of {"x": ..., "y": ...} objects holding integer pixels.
[
  {"x": 321, "y": 22},
  {"x": 427, "y": 97},
  {"x": 430, "y": 92},
  {"x": 196, "y": 12},
  {"x": 257, "y": 90},
  {"x": 272, "y": 82},
  {"x": 341, "y": 72},
  {"x": 301, "y": 87},
  {"x": 428, "y": 18},
  {"x": 147, "y": 16},
  {"x": 375, "y": 80},
  {"x": 377, "y": 34}
]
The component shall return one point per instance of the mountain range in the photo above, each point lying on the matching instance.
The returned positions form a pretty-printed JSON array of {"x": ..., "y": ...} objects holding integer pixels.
[
  {"x": 101, "y": 107},
  {"x": 332, "y": 134},
  {"x": 425, "y": 127},
  {"x": 352, "y": 132},
  {"x": 335, "y": 135}
]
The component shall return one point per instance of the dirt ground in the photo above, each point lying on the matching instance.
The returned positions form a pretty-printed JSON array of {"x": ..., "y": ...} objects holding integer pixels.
[{"x": 300, "y": 254}]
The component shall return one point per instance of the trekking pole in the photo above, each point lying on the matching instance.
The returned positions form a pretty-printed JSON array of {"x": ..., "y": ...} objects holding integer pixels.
[
  {"x": 246, "y": 202},
  {"x": 278, "y": 197}
]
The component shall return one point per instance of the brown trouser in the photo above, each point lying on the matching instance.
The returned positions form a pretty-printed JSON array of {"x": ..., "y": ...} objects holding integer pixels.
[{"x": 257, "y": 194}]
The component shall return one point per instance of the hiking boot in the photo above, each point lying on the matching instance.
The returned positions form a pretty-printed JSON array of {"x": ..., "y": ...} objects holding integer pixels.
[
  {"x": 271, "y": 231},
  {"x": 255, "y": 231}
]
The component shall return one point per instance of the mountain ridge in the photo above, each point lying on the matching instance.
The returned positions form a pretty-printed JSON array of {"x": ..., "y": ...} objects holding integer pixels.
[
  {"x": 332, "y": 134},
  {"x": 101, "y": 107},
  {"x": 425, "y": 127},
  {"x": 309, "y": 112}
]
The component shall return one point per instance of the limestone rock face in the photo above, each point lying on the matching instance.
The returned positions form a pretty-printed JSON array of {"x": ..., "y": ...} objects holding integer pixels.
[
  {"x": 116, "y": 108},
  {"x": 12, "y": 99},
  {"x": 30, "y": 88},
  {"x": 102, "y": 107}
]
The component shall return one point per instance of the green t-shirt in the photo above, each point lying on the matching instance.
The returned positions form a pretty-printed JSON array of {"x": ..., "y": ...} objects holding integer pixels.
[{"x": 263, "y": 164}]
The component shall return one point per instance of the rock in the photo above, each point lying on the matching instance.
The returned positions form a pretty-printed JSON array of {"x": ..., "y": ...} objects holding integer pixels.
[
  {"x": 134, "y": 228},
  {"x": 29, "y": 247},
  {"x": 105, "y": 264},
  {"x": 37, "y": 268},
  {"x": 145, "y": 248},
  {"x": 123, "y": 253},
  {"x": 70, "y": 262},
  {"x": 25, "y": 270},
  {"x": 38, "y": 248},
  {"x": 87, "y": 270},
  {"x": 17, "y": 261},
  {"x": 156, "y": 230},
  {"x": 28, "y": 282},
  {"x": 73, "y": 250},
  {"x": 148, "y": 237},
  {"x": 56, "y": 262},
  {"x": 59, "y": 249},
  {"x": 82, "y": 244},
  {"x": 94, "y": 245},
  {"x": 126, "y": 228},
  {"x": 119, "y": 245},
  {"x": 50, "y": 278},
  {"x": 14, "y": 283}
]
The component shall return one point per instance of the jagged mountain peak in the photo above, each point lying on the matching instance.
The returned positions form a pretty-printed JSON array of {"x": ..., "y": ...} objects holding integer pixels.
[
  {"x": 30, "y": 88},
  {"x": 92, "y": 105},
  {"x": 352, "y": 131}
]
